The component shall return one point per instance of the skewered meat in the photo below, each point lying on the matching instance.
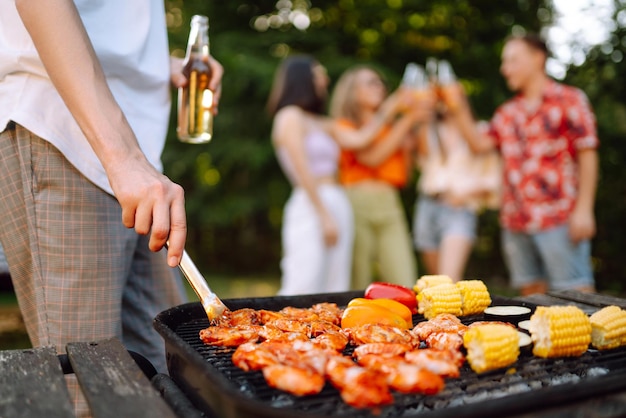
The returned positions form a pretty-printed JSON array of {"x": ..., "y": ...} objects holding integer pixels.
[
  {"x": 379, "y": 333},
  {"x": 230, "y": 337},
  {"x": 442, "y": 362},
  {"x": 403, "y": 376},
  {"x": 298, "y": 381},
  {"x": 381, "y": 349},
  {"x": 358, "y": 386}
]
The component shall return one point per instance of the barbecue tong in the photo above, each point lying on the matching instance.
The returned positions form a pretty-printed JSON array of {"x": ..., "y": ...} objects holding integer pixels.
[{"x": 211, "y": 303}]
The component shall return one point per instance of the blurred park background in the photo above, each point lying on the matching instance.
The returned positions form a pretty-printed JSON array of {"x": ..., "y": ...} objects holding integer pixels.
[{"x": 235, "y": 191}]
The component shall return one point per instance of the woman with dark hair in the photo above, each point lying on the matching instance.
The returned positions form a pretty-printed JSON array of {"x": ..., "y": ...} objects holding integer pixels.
[
  {"x": 317, "y": 233},
  {"x": 317, "y": 224}
]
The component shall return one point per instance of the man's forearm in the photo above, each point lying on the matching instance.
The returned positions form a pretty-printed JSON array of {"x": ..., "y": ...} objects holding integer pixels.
[
  {"x": 71, "y": 62},
  {"x": 587, "y": 178},
  {"x": 467, "y": 126},
  {"x": 150, "y": 202}
]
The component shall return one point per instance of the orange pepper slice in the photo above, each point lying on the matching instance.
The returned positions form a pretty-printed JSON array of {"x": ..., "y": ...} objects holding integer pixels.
[
  {"x": 357, "y": 315},
  {"x": 394, "y": 306}
]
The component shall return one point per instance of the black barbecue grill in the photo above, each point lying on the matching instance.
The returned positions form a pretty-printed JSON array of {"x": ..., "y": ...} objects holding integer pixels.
[{"x": 208, "y": 377}]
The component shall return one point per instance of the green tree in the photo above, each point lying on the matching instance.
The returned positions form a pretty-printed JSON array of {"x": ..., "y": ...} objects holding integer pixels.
[{"x": 601, "y": 76}]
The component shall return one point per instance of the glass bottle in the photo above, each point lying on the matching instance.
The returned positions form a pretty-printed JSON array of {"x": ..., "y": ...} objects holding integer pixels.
[
  {"x": 195, "y": 100},
  {"x": 431, "y": 69},
  {"x": 445, "y": 73},
  {"x": 447, "y": 84},
  {"x": 415, "y": 78}
]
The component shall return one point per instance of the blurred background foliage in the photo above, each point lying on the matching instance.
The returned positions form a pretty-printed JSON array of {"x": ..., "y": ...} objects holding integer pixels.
[{"x": 235, "y": 190}]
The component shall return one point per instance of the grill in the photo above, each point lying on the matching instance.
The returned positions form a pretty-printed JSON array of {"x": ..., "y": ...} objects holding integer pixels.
[{"x": 208, "y": 377}]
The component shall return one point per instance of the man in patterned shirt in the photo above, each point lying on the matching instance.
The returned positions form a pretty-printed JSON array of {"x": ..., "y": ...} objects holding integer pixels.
[{"x": 546, "y": 135}]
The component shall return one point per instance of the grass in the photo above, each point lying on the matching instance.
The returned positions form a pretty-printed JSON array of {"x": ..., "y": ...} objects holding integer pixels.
[{"x": 12, "y": 333}]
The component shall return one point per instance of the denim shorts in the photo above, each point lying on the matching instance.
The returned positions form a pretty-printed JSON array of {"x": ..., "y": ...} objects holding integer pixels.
[
  {"x": 435, "y": 220},
  {"x": 547, "y": 255}
]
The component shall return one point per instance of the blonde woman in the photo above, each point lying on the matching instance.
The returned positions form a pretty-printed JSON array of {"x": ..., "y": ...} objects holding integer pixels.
[{"x": 373, "y": 176}]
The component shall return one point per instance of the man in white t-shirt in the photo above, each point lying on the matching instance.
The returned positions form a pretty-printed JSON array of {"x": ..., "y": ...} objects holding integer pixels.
[{"x": 84, "y": 108}]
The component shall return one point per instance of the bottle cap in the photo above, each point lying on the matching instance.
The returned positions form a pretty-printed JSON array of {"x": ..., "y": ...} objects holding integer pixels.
[{"x": 200, "y": 20}]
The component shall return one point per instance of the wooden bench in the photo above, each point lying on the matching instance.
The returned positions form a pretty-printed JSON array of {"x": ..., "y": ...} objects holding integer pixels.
[{"x": 116, "y": 383}]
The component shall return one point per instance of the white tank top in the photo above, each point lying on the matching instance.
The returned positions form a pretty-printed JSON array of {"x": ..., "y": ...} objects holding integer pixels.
[{"x": 322, "y": 156}]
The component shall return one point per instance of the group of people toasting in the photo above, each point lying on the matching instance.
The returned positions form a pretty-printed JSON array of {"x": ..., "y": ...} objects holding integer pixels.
[{"x": 535, "y": 160}]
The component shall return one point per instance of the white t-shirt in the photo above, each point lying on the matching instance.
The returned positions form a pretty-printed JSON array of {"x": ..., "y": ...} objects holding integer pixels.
[{"x": 130, "y": 39}]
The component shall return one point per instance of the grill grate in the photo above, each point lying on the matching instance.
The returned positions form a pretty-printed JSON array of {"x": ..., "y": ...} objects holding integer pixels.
[
  {"x": 531, "y": 381},
  {"x": 531, "y": 374}
]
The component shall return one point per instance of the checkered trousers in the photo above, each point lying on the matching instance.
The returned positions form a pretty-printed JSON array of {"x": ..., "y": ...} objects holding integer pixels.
[{"x": 78, "y": 273}]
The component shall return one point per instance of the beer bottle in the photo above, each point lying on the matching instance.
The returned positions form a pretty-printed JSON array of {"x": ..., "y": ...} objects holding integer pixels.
[{"x": 195, "y": 100}]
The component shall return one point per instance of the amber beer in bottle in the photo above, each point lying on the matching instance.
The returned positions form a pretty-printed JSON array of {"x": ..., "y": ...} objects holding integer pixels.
[{"x": 195, "y": 100}]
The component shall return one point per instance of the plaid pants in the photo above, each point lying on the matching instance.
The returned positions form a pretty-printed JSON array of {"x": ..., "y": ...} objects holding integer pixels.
[{"x": 78, "y": 273}]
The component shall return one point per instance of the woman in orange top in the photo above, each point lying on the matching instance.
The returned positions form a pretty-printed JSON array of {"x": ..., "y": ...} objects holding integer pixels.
[{"x": 373, "y": 176}]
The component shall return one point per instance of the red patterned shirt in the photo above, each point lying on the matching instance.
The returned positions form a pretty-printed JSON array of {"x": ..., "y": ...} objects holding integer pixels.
[{"x": 539, "y": 154}]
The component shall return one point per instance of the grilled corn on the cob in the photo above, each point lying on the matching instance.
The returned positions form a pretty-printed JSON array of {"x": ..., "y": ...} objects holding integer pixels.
[
  {"x": 559, "y": 331},
  {"x": 444, "y": 298},
  {"x": 491, "y": 346},
  {"x": 608, "y": 328},
  {"x": 430, "y": 280},
  {"x": 474, "y": 296}
]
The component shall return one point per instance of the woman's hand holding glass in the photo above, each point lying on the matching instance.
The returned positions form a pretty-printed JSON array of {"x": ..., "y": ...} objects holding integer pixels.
[
  {"x": 420, "y": 106},
  {"x": 453, "y": 97}
]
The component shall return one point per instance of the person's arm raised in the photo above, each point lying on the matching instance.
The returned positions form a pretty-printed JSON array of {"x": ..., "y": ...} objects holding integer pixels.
[
  {"x": 462, "y": 116},
  {"x": 151, "y": 203},
  {"x": 402, "y": 129},
  {"x": 349, "y": 138}
]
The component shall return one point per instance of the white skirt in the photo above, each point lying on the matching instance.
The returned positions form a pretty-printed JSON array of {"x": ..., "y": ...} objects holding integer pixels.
[{"x": 308, "y": 265}]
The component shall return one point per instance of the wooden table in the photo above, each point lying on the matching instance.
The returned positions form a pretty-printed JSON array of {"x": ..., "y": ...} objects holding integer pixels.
[
  {"x": 115, "y": 382},
  {"x": 32, "y": 381}
]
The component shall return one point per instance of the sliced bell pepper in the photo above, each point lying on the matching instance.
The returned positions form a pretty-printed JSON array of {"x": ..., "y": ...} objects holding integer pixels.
[
  {"x": 357, "y": 315},
  {"x": 398, "y": 308},
  {"x": 402, "y": 294}
]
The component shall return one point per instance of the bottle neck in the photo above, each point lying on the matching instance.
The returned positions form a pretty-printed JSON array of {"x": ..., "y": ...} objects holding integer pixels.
[{"x": 198, "y": 44}]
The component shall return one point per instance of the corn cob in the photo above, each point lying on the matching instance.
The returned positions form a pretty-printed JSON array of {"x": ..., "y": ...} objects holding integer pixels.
[
  {"x": 430, "y": 280},
  {"x": 491, "y": 346},
  {"x": 444, "y": 298},
  {"x": 559, "y": 331},
  {"x": 474, "y": 296},
  {"x": 608, "y": 328}
]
